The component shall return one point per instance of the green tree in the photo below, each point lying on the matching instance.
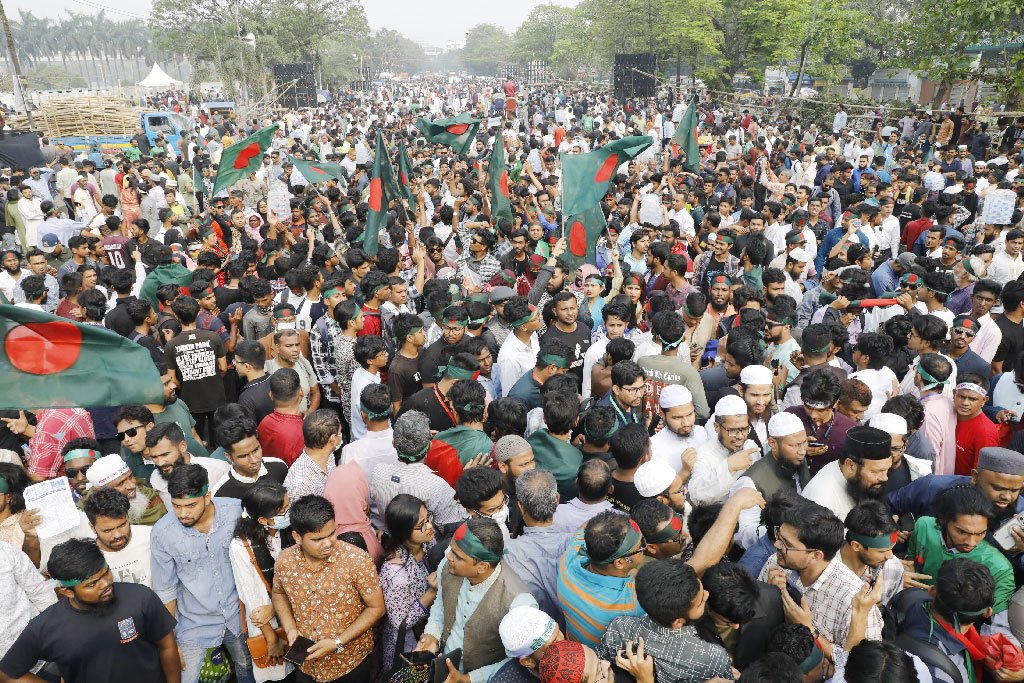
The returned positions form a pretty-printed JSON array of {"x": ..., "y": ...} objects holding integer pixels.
[
  {"x": 487, "y": 47},
  {"x": 394, "y": 52},
  {"x": 536, "y": 36}
]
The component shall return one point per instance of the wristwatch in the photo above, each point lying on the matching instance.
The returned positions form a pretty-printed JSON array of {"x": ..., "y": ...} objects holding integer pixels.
[{"x": 341, "y": 645}]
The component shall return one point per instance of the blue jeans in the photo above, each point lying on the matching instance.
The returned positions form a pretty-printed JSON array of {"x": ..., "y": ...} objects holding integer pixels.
[{"x": 237, "y": 651}]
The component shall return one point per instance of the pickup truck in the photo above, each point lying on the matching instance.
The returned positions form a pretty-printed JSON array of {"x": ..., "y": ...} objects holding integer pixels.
[{"x": 169, "y": 123}]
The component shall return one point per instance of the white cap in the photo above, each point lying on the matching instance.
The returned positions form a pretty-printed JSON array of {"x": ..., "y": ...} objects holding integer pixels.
[
  {"x": 754, "y": 375},
  {"x": 730, "y": 405},
  {"x": 800, "y": 254},
  {"x": 784, "y": 424},
  {"x": 954, "y": 189},
  {"x": 106, "y": 470},
  {"x": 653, "y": 478},
  {"x": 524, "y": 630},
  {"x": 673, "y": 395},
  {"x": 889, "y": 422}
]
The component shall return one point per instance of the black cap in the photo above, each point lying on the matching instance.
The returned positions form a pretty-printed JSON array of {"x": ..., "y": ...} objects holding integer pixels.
[{"x": 868, "y": 443}]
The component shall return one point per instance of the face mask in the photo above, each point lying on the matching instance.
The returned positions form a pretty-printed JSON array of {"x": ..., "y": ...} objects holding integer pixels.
[
  {"x": 279, "y": 522},
  {"x": 501, "y": 516},
  {"x": 286, "y": 326}
]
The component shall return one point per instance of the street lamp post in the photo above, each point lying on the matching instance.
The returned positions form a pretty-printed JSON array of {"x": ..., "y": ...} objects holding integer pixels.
[{"x": 19, "y": 80}]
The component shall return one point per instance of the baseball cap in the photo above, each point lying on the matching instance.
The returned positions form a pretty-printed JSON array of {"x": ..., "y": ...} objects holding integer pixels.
[{"x": 48, "y": 243}]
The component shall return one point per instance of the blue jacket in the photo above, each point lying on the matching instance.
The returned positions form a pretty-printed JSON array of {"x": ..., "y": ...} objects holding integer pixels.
[
  {"x": 918, "y": 496},
  {"x": 832, "y": 238}
]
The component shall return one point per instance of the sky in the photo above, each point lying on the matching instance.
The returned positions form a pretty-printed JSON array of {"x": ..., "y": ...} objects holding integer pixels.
[{"x": 431, "y": 23}]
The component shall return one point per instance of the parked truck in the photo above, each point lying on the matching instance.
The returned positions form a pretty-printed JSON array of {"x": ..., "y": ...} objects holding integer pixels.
[{"x": 168, "y": 123}]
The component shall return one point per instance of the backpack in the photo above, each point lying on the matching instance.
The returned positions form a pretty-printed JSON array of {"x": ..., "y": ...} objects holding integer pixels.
[{"x": 932, "y": 655}]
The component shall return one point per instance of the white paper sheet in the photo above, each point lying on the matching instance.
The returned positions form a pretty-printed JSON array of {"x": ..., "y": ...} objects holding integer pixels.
[{"x": 57, "y": 511}]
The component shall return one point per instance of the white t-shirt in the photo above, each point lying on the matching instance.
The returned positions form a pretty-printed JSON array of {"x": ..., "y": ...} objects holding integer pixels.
[{"x": 131, "y": 564}]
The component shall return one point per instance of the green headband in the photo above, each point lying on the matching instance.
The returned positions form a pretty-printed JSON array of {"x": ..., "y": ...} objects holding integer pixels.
[
  {"x": 375, "y": 415},
  {"x": 410, "y": 333},
  {"x": 670, "y": 532},
  {"x": 70, "y": 583},
  {"x": 671, "y": 345},
  {"x": 813, "y": 659},
  {"x": 79, "y": 453},
  {"x": 526, "y": 318},
  {"x": 413, "y": 457},
  {"x": 599, "y": 279},
  {"x": 331, "y": 292},
  {"x": 195, "y": 494},
  {"x": 479, "y": 321},
  {"x": 558, "y": 361},
  {"x": 928, "y": 378},
  {"x": 456, "y": 372},
  {"x": 284, "y": 313},
  {"x": 471, "y": 545},
  {"x": 882, "y": 542},
  {"x": 377, "y": 289},
  {"x": 966, "y": 263},
  {"x": 725, "y": 238},
  {"x": 5, "y": 486},
  {"x": 633, "y": 536}
]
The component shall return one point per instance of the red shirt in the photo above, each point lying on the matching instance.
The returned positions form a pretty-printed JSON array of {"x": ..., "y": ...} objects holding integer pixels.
[
  {"x": 280, "y": 436},
  {"x": 913, "y": 230},
  {"x": 371, "y": 323},
  {"x": 971, "y": 436}
]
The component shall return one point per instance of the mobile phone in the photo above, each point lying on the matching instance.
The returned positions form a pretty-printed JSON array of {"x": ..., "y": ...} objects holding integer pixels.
[
  {"x": 907, "y": 522},
  {"x": 1003, "y": 536},
  {"x": 815, "y": 444},
  {"x": 298, "y": 651}
]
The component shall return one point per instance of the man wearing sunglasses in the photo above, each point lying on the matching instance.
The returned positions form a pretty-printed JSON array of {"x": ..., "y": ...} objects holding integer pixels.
[
  {"x": 965, "y": 329},
  {"x": 79, "y": 455}
]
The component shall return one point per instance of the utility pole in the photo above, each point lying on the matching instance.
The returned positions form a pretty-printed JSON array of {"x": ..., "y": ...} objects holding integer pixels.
[{"x": 19, "y": 82}]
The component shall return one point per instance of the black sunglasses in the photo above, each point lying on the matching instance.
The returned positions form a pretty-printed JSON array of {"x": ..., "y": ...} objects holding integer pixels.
[
  {"x": 73, "y": 472},
  {"x": 130, "y": 432}
]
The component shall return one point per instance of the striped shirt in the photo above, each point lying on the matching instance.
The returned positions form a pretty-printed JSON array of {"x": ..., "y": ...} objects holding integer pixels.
[{"x": 590, "y": 601}]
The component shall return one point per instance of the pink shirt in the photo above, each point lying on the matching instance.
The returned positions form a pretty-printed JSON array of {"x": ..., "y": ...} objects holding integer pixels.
[
  {"x": 988, "y": 338},
  {"x": 940, "y": 428}
]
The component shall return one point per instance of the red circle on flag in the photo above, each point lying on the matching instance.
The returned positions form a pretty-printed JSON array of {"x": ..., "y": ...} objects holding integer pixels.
[
  {"x": 578, "y": 239},
  {"x": 503, "y": 183},
  {"x": 405, "y": 179},
  {"x": 376, "y": 192},
  {"x": 318, "y": 170},
  {"x": 457, "y": 128},
  {"x": 43, "y": 348},
  {"x": 604, "y": 174},
  {"x": 247, "y": 153}
]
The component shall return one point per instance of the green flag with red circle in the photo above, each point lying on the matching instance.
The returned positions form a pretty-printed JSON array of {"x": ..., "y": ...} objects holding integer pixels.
[
  {"x": 582, "y": 233},
  {"x": 317, "y": 173},
  {"x": 585, "y": 177},
  {"x": 242, "y": 158},
  {"x": 686, "y": 137},
  {"x": 382, "y": 190},
  {"x": 498, "y": 180},
  {"x": 405, "y": 175},
  {"x": 458, "y": 133},
  {"x": 51, "y": 362}
]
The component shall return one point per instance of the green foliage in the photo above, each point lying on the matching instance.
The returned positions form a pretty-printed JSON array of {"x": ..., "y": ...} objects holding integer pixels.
[
  {"x": 396, "y": 53},
  {"x": 536, "y": 36},
  {"x": 487, "y": 48}
]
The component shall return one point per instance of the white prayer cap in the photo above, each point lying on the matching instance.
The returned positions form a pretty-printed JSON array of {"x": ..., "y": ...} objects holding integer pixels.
[
  {"x": 673, "y": 395},
  {"x": 106, "y": 470},
  {"x": 800, "y": 255},
  {"x": 889, "y": 422},
  {"x": 754, "y": 375},
  {"x": 524, "y": 630},
  {"x": 784, "y": 424},
  {"x": 653, "y": 478},
  {"x": 730, "y": 405}
]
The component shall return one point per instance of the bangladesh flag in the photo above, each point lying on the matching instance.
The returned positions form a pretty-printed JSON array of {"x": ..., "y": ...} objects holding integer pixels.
[
  {"x": 453, "y": 448},
  {"x": 585, "y": 177},
  {"x": 405, "y": 175},
  {"x": 582, "y": 233},
  {"x": 317, "y": 173},
  {"x": 686, "y": 137},
  {"x": 497, "y": 178},
  {"x": 242, "y": 158},
  {"x": 457, "y": 133},
  {"x": 382, "y": 191},
  {"x": 51, "y": 362}
]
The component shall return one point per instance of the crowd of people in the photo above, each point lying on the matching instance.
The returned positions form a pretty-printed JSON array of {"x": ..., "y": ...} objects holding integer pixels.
[{"x": 771, "y": 433}]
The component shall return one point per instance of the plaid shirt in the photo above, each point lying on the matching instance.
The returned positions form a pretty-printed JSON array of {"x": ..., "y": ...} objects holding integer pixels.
[
  {"x": 54, "y": 429},
  {"x": 325, "y": 363},
  {"x": 830, "y": 599},
  {"x": 485, "y": 268},
  {"x": 679, "y": 654}
]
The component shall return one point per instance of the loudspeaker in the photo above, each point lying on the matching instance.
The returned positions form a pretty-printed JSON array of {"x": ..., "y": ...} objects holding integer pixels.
[
  {"x": 634, "y": 76},
  {"x": 297, "y": 84}
]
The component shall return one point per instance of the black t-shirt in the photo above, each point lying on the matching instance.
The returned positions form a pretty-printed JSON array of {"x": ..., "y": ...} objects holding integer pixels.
[
  {"x": 194, "y": 355},
  {"x": 118, "y": 646},
  {"x": 430, "y": 359},
  {"x": 256, "y": 397},
  {"x": 577, "y": 341},
  {"x": 624, "y": 495},
  {"x": 404, "y": 377},
  {"x": 425, "y": 401},
  {"x": 1013, "y": 339},
  {"x": 118, "y": 319},
  {"x": 226, "y": 296},
  {"x": 715, "y": 268}
]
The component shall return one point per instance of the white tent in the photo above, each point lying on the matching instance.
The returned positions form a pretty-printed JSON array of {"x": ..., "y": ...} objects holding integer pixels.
[{"x": 158, "y": 78}]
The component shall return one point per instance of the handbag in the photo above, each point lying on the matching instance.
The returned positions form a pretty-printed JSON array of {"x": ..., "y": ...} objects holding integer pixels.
[{"x": 258, "y": 648}]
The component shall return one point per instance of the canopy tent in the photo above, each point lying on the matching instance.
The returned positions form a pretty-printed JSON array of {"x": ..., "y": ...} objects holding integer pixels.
[{"x": 158, "y": 78}]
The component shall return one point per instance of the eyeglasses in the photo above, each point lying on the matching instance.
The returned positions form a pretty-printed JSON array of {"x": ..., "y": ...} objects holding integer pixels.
[
  {"x": 423, "y": 526},
  {"x": 634, "y": 390},
  {"x": 494, "y": 511},
  {"x": 73, "y": 472},
  {"x": 785, "y": 547},
  {"x": 735, "y": 431},
  {"x": 129, "y": 433},
  {"x": 643, "y": 547}
]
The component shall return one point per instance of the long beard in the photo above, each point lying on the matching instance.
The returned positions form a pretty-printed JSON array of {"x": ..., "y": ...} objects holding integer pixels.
[
  {"x": 137, "y": 507},
  {"x": 860, "y": 494},
  {"x": 719, "y": 306}
]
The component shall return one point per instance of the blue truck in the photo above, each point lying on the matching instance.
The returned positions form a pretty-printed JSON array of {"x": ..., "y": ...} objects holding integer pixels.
[{"x": 171, "y": 124}]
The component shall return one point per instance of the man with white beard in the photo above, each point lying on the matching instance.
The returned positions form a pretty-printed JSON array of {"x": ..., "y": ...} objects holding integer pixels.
[
  {"x": 675, "y": 444},
  {"x": 144, "y": 504}
]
